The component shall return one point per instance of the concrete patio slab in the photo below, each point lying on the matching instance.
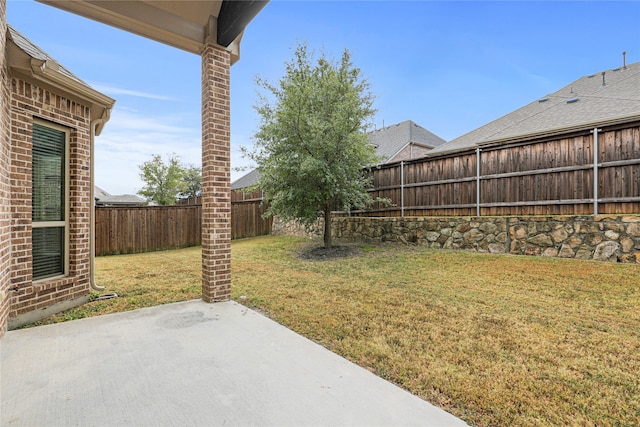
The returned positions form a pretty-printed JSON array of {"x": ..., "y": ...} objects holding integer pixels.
[{"x": 189, "y": 364}]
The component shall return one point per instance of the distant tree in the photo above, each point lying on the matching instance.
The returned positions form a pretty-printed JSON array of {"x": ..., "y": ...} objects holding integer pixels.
[
  {"x": 192, "y": 183},
  {"x": 164, "y": 182},
  {"x": 311, "y": 147}
]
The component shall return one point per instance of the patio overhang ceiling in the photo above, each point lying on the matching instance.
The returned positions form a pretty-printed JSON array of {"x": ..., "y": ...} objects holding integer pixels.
[{"x": 187, "y": 25}]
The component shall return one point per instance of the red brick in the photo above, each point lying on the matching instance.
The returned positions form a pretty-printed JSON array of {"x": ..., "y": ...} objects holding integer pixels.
[
  {"x": 216, "y": 200},
  {"x": 27, "y": 100}
]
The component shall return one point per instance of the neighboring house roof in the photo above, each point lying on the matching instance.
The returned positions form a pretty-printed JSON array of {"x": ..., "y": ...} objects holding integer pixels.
[
  {"x": 25, "y": 58},
  {"x": 104, "y": 198},
  {"x": 581, "y": 104},
  {"x": 390, "y": 140},
  {"x": 245, "y": 181}
]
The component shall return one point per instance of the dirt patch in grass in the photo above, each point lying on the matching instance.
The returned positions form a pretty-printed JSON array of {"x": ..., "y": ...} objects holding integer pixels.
[{"x": 313, "y": 252}]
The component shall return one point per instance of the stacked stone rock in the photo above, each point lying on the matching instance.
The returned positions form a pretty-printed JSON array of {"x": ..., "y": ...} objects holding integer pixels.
[{"x": 605, "y": 238}]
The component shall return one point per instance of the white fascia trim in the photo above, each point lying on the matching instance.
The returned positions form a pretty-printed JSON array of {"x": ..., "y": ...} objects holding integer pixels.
[{"x": 49, "y": 72}]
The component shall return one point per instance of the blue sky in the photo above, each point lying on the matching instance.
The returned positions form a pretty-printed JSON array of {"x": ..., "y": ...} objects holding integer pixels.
[{"x": 448, "y": 66}]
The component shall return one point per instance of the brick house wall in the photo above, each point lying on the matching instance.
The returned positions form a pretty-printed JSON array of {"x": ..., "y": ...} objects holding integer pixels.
[
  {"x": 5, "y": 213},
  {"x": 409, "y": 152},
  {"x": 29, "y": 101}
]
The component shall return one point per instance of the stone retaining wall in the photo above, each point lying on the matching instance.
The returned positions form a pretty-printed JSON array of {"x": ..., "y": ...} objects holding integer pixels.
[{"x": 606, "y": 238}]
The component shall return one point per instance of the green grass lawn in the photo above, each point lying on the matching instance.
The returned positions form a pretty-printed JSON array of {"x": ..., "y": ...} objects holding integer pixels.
[{"x": 493, "y": 339}]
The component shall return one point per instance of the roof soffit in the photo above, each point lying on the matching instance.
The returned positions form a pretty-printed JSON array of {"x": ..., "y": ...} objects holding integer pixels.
[{"x": 187, "y": 25}]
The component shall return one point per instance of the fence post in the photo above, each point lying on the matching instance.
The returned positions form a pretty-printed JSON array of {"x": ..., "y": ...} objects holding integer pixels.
[
  {"x": 402, "y": 189},
  {"x": 478, "y": 181},
  {"x": 595, "y": 171}
]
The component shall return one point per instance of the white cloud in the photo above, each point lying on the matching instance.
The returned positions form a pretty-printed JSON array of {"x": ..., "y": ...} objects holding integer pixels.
[
  {"x": 112, "y": 91},
  {"x": 130, "y": 138}
]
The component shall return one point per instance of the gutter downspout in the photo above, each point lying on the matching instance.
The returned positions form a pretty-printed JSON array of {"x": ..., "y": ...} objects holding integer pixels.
[{"x": 92, "y": 215}]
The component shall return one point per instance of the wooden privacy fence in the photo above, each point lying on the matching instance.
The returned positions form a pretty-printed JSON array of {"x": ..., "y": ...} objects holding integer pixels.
[
  {"x": 589, "y": 172},
  {"x": 246, "y": 215},
  {"x": 123, "y": 229}
]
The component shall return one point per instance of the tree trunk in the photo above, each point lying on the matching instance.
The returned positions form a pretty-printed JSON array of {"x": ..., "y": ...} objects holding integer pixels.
[{"x": 327, "y": 228}]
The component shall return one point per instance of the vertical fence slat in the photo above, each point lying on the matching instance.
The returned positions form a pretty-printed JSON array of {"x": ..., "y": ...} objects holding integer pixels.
[
  {"x": 131, "y": 229},
  {"x": 595, "y": 171},
  {"x": 478, "y": 200}
]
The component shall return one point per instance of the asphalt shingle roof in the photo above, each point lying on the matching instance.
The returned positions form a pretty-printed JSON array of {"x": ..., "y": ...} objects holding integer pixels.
[
  {"x": 104, "y": 198},
  {"x": 245, "y": 181},
  {"x": 28, "y": 47},
  {"x": 391, "y": 139},
  {"x": 594, "y": 104}
]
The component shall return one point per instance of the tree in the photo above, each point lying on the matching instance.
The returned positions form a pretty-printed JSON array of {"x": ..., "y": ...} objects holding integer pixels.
[
  {"x": 192, "y": 183},
  {"x": 164, "y": 182},
  {"x": 311, "y": 146}
]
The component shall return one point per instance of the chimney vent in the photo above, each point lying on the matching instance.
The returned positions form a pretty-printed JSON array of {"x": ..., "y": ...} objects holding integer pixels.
[
  {"x": 624, "y": 60},
  {"x": 603, "y": 82}
]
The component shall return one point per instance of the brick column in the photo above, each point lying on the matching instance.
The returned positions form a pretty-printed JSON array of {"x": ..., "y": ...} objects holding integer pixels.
[{"x": 216, "y": 175}]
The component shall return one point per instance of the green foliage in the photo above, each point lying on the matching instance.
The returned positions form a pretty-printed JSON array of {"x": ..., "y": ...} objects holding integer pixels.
[
  {"x": 192, "y": 183},
  {"x": 311, "y": 147},
  {"x": 166, "y": 182}
]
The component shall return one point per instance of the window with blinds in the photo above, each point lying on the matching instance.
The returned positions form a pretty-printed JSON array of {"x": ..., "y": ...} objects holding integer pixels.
[{"x": 49, "y": 197}]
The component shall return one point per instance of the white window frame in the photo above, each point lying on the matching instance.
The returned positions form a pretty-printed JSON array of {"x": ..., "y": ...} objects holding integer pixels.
[{"x": 66, "y": 196}]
